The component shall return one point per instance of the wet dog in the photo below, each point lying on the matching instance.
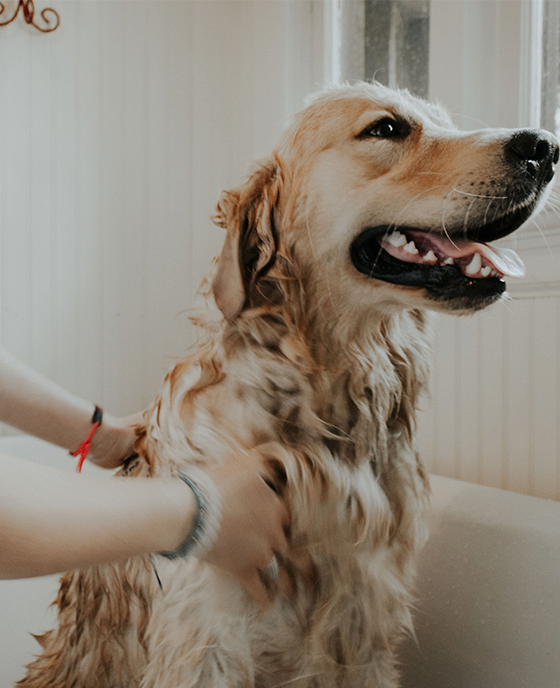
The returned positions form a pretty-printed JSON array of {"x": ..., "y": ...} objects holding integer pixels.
[{"x": 373, "y": 210}]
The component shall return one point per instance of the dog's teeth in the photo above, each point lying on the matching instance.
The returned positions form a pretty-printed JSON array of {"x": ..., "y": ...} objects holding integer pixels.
[
  {"x": 448, "y": 261},
  {"x": 486, "y": 271},
  {"x": 396, "y": 239},
  {"x": 430, "y": 257},
  {"x": 474, "y": 266},
  {"x": 411, "y": 248}
]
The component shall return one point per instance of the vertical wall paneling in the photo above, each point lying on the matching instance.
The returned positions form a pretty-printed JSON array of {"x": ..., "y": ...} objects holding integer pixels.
[
  {"x": 546, "y": 417},
  {"x": 478, "y": 43},
  {"x": 98, "y": 237},
  {"x": 491, "y": 396},
  {"x": 65, "y": 277},
  {"x": 38, "y": 200},
  {"x": 518, "y": 338},
  {"x": 303, "y": 19},
  {"x": 467, "y": 398},
  {"x": 494, "y": 412},
  {"x": 87, "y": 229},
  {"x": 444, "y": 382},
  {"x": 14, "y": 188},
  {"x": 117, "y": 133},
  {"x": 169, "y": 195}
]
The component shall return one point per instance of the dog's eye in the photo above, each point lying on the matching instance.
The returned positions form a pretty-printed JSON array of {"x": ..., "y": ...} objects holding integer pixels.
[{"x": 386, "y": 128}]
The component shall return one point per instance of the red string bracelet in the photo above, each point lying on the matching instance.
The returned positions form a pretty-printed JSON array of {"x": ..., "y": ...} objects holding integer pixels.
[{"x": 85, "y": 446}]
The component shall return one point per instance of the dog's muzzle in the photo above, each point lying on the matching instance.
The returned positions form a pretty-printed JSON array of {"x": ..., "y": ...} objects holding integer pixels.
[{"x": 455, "y": 263}]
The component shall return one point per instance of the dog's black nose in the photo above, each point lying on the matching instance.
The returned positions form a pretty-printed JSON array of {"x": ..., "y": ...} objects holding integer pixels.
[{"x": 536, "y": 151}]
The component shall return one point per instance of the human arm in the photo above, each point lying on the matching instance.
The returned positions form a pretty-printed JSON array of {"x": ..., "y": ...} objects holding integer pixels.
[
  {"x": 52, "y": 521},
  {"x": 38, "y": 406}
]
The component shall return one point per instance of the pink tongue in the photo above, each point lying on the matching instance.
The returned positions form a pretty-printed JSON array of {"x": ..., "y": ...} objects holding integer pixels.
[{"x": 503, "y": 260}]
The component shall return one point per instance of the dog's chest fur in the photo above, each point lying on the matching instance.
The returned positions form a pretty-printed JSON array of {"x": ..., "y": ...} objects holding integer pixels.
[{"x": 353, "y": 484}]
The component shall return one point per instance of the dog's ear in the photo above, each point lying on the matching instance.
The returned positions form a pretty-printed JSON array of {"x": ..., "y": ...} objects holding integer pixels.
[{"x": 248, "y": 215}]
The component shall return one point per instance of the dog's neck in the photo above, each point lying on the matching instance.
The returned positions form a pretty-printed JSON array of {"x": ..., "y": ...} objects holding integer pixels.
[
  {"x": 365, "y": 383},
  {"x": 381, "y": 366}
]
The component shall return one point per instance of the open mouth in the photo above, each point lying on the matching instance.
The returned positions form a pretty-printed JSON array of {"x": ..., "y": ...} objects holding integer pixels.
[{"x": 448, "y": 268}]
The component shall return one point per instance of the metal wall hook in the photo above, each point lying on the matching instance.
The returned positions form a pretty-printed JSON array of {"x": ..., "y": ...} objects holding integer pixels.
[{"x": 28, "y": 9}]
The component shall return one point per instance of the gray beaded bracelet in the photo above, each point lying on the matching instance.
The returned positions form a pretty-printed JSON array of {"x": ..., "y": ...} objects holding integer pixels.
[{"x": 206, "y": 526}]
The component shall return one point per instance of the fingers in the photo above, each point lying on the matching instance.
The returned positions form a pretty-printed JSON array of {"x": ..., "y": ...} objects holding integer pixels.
[
  {"x": 280, "y": 525},
  {"x": 113, "y": 442},
  {"x": 285, "y": 582},
  {"x": 274, "y": 475},
  {"x": 301, "y": 563},
  {"x": 255, "y": 526},
  {"x": 275, "y": 518},
  {"x": 260, "y": 584}
]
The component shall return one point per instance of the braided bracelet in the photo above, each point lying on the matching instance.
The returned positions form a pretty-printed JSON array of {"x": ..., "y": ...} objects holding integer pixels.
[
  {"x": 207, "y": 520},
  {"x": 83, "y": 450}
]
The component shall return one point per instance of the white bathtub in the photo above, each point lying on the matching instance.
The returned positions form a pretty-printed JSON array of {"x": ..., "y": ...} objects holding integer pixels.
[{"x": 488, "y": 613}]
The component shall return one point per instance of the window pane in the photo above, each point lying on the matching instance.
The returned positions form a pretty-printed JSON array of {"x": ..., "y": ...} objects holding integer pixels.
[
  {"x": 387, "y": 40},
  {"x": 397, "y": 43}
]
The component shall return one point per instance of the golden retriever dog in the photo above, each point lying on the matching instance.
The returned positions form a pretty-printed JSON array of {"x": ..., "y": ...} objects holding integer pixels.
[{"x": 372, "y": 210}]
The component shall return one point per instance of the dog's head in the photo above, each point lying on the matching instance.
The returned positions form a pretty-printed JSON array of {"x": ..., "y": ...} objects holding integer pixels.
[{"x": 374, "y": 198}]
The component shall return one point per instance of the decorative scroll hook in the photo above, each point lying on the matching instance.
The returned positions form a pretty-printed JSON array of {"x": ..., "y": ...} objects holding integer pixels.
[{"x": 28, "y": 9}]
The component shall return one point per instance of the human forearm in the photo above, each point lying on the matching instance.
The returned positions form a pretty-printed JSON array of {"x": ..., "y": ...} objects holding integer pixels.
[
  {"x": 38, "y": 406},
  {"x": 53, "y": 521}
]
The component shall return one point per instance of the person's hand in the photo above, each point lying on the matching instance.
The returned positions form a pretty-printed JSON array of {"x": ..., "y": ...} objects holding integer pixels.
[
  {"x": 253, "y": 529},
  {"x": 113, "y": 440}
]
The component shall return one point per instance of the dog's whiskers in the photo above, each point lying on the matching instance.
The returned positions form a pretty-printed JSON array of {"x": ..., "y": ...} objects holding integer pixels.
[
  {"x": 466, "y": 220},
  {"x": 485, "y": 221},
  {"x": 395, "y": 224},
  {"x": 504, "y": 302},
  {"x": 443, "y": 220},
  {"x": 553, "y": 201},
  {"x": 467, "y": 193},
  {"x": 548, "y": 246}
]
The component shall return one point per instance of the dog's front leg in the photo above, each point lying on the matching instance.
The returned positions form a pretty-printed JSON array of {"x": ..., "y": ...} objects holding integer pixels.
[{"x": 198, "y": 634}]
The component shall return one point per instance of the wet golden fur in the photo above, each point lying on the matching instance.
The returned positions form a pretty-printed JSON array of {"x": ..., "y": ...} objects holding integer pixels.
[{"x": 320, "y": 369}]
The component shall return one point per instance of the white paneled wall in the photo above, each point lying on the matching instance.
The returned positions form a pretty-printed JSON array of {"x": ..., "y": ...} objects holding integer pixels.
[
  {"x": 96, "y": 195},
  {"x": 117, "y": 133},
  {"x": 494, "y": 416},
  {"x": 494, "y": 412}
]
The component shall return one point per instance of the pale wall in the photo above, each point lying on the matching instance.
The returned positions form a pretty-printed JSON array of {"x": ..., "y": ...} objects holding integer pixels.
[{"x": 117, "y": 133}]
